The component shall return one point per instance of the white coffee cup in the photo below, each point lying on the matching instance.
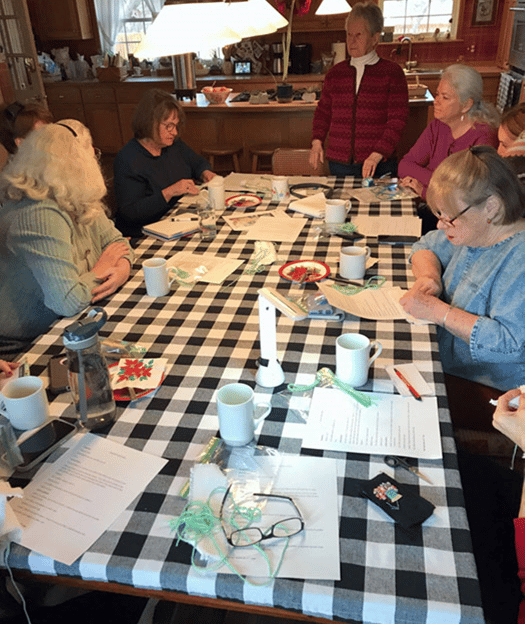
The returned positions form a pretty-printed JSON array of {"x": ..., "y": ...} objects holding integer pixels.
[
  {"x": 215, "y": 193},
  {"x": 236, "y": 409},
  {"x": 335, "y": 211},
  {"x": 24, "y": 402},
  {"x": 280, "y": 190},
  {"x": 352, "y": 261},
  {"x": 352, "y": 358},
  {"x": 156, "y": 277}
]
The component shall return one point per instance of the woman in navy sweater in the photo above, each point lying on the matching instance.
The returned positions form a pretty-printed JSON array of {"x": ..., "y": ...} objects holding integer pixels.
[{"x": 155, "y": 168}]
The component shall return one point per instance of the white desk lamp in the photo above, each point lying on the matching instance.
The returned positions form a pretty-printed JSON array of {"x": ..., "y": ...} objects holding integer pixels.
[{"x": 270, "y": 373}]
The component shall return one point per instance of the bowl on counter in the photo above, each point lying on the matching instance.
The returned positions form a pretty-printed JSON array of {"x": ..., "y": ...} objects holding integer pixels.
[{"x": 216, "y": 95}]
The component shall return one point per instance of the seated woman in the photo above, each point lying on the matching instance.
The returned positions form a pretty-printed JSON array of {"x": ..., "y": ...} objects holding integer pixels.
[
  {"x": 16, "y": 122},
  {"x": 59, "y": 250},
  {"x": 461, "y": 119},
  {"x": 470, "y": 273},
  {"x": 511, "y": 136},
  {"x": 155, "y": 168}
]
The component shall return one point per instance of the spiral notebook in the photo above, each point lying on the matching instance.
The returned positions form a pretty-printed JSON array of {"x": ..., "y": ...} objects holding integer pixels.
[{"x": 170, "y": 229}]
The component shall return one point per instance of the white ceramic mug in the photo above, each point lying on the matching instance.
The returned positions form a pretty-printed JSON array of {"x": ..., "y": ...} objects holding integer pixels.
[
  {"x": 335, "y": 211},
  {"x": 352, "y": 358},
  {"x": 280, "y": 188},
  {"x": 236, "y": 409},
  {"x": 156, "y": 277},
  {"x": 24, "y": 402},
  {"x": 215, "y": 193},
  {"x": 352, "y": 261}
]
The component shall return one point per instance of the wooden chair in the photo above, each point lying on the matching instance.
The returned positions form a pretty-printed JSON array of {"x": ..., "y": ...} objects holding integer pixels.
[
  {"x": 220, "y": 159},
  {"x": 261, "y": 158},
  {"x": 292, "y": 161},
  {"x": 471, "y": 414}
]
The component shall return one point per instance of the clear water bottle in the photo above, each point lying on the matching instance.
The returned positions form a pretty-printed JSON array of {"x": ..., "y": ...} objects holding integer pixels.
[{"x": 88, "y": 373}]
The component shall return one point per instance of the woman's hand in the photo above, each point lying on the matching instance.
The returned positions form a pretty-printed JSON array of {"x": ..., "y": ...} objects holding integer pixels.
[
  {"x": 413, "y": 184},
  {"x": 180, "y": 188},
  {"x": 109, "y": 258},
  {"x": 112, "y": 278},
  {"x": 509, "y": 421},
  {"x": 370, "y": 164},
  {"x": 8, "y": 367},
  {"x": 422, "y": 305},
  {"x": 208, "y": 175},
  {"x": 428, "y": 286},
  {"x": 316, "y": 154}
]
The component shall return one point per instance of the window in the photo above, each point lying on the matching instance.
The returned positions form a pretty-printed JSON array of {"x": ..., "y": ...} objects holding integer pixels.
[
  {"x": 420, "y": 17},
  {"x": 132, "y": 30}
]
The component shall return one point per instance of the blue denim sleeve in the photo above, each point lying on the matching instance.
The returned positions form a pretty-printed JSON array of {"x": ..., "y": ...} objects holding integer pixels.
[
  {"x": 436, "y": 242},
  {"x": 499, "y": 335}
]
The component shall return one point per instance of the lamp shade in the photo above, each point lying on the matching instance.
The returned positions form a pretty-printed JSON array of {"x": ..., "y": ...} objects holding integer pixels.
[
  {"x": 333, "y": 7},
  {"x": 182, "y": 28}
]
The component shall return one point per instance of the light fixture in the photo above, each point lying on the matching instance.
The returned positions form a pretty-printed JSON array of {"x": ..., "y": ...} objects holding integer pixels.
[
  {"x": 180, "y": 30},
  {"x": 333, "y": 7}
]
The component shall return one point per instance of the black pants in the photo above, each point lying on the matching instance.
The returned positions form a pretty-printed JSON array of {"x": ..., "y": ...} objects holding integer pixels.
[{"x": 492, "y": 498}]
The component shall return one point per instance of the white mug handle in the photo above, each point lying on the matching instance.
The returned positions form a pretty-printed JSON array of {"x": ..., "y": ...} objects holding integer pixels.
[
  {"x": 378, "y": 347},
  {"x": 267, "y": 409},
  {"x": 368, "y": 253}
]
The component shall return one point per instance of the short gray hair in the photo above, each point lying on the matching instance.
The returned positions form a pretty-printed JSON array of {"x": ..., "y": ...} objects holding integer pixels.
[
  {"x": 370, "y": 12},
  {"x": 468, "y": 84},
  {"x": 474, "y": 175}
]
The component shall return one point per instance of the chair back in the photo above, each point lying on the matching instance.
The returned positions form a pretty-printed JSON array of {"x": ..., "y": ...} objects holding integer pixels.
[{"x": 290, "y": 161}]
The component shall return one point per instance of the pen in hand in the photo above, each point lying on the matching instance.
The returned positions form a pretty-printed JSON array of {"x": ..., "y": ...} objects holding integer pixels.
[{"x": 410, "y": 387}]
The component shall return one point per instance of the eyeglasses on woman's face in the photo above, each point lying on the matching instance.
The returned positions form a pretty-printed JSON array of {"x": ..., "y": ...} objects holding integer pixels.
[{"x": 450, "y": 222}]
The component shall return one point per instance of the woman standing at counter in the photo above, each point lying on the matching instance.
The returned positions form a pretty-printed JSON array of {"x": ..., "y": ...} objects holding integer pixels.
[
  {"x": 155, "y": 168},
  {"x": 364, "y": 104}
]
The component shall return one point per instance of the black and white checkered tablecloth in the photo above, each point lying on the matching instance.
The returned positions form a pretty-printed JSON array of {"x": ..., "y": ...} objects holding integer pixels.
[{"x": 210, "y": 336}]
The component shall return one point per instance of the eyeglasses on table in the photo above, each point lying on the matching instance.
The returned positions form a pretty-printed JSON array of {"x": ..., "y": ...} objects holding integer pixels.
[{"x": 250, "y": 535}]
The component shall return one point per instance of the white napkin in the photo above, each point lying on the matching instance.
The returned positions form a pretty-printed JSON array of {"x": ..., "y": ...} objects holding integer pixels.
[
  {"x": 143, "y": 373},
  {"x": 313, "y": 205}
]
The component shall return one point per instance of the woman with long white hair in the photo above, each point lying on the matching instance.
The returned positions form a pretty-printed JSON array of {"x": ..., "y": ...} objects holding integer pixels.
[{"x": 59, "y": 252}]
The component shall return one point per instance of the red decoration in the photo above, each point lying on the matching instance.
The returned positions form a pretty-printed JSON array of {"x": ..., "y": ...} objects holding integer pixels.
[{"x": 301, "y": 7}]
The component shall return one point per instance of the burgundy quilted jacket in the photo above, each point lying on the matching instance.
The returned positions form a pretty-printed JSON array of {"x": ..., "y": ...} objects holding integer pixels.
[{"x": 371, "y": 120}]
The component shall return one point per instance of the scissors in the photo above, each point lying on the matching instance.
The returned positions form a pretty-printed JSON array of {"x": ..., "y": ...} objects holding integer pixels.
[{"x": 393, "y": 461}]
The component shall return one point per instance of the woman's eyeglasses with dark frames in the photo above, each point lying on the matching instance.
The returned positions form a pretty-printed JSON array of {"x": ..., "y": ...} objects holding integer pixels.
[{"x": 248, "y": 536}]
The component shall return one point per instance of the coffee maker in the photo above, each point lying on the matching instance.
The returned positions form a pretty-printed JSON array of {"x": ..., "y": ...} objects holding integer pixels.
[{"x": 277, "y": 62}]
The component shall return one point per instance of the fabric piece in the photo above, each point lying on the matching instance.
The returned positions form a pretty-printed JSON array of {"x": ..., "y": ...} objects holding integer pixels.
[{"x": 359, "y": 63}]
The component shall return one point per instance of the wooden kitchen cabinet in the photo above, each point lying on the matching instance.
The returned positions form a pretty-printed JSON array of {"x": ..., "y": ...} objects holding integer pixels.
[
  {"x": 102, "y": 117},
  {"x": 65, "y": 102},
  {"x": 63, "y": 19}
]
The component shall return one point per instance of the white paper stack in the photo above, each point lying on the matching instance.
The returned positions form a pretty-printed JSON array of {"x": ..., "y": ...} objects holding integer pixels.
[{"x": 313, "y": 205}]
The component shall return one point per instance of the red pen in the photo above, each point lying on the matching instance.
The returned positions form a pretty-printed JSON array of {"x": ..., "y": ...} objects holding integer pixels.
[{"x": 413, "y": 391}]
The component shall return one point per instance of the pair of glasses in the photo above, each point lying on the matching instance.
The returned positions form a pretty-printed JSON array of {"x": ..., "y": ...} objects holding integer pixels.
[
  {"x": 250, "y": 535},
  {"x": 13, "y": 110},
  {"x": 447, "y": 221},
  {"x": 170, "y": 127}
]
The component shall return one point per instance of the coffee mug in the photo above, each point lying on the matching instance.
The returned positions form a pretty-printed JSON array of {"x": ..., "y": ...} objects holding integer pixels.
[
  {"x": 236, "y": 409},
  {"x": 156, "y": 277},
  {"x": 352, "y": 358},
  {"x": 352, "y": 262},
  {"x": 24, "y": 402},
  {"x": 215, "y": 193},
  {"x": 335, "y": 211},
  {"x": 280, "y": 189}
]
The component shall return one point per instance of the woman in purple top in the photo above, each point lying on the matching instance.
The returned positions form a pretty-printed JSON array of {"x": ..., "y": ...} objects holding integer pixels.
[{"x": 461, "y": 119}]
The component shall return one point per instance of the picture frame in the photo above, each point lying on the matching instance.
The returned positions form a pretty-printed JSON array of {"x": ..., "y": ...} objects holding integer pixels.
[
  {"x": 242, "y": 67},
  {"x": 484, "y": 12}
]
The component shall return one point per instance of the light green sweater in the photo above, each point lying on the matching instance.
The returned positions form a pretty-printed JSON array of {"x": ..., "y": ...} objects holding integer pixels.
[{"x": 45, "y": 266}]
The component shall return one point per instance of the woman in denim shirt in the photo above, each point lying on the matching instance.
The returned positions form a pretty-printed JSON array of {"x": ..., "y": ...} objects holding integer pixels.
[{"x": 470, "y": 272}]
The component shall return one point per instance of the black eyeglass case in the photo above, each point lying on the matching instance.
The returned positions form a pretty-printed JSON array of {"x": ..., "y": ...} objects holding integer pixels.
[{"x": 396, "y": 500}]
